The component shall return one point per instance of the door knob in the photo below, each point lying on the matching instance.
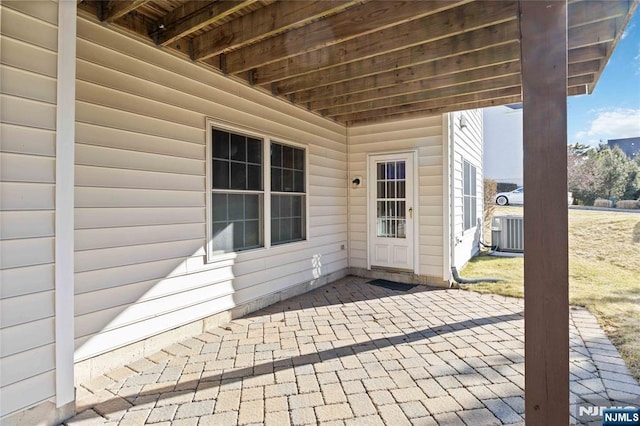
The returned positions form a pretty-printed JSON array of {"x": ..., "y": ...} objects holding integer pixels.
[{"x": 410, "y": 212}]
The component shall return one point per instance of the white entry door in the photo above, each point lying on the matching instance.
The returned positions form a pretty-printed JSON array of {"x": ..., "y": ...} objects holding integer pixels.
[{"x": 391, "y": 211}]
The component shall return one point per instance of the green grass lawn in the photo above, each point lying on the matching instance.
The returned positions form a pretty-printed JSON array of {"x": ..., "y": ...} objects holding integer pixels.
[{"x": 604, "y": 274}]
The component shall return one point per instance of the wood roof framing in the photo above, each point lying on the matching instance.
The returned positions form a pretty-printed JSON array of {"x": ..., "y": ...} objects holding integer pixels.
[
  {"x": 283, "y": 16},
  {"x": 113, "y": 9},
  {"x": 193, "y": 16},
  {"x": 361, "y": 61}
]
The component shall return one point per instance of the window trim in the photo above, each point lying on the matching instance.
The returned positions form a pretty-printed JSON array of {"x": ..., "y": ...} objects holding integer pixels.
[
  {"x": 472, "y": 197},
  {"x": 267, "y": 139}
]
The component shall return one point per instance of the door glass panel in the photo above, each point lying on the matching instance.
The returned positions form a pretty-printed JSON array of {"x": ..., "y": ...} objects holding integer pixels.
[
  {"x": 391, "y": 170},
  {"x": 391, "y": 209},
  {"x": 400, "y": 170},
  {"x": 391, "y": 190},
  {"x": 401, "y": 229},
  {"x": 401, "y": 188},
  {"x": 390, "y": 199}
]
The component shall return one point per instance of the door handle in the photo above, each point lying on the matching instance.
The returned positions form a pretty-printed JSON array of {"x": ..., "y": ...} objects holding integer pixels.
[{"x": 410, "y": 212}]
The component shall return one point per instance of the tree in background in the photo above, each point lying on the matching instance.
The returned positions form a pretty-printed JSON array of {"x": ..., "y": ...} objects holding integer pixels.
[
  {"x": 581, "y": 150},
  {"x": 583, "y": 182},
  {"x": 601, "y": 173},
  {"x": 632, "y": 190},
  {"x": 613, "y": 169}
]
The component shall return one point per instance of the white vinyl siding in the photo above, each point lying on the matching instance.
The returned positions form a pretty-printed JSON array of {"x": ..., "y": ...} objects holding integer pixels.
[
  {"x": 28, "y": 68},
  {"x": 140, "y": 193},
  {"x": 467, "y": 147},
  {"x": 424, "y": 135}
]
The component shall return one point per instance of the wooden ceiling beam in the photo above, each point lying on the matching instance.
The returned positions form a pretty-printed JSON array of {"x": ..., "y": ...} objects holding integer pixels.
[
  {"x": 492, "y": 97},
  {"x": 407, "y": 35},
  {"x": 361, "y": 61},
  {"x": 580, "y": 80},
  {"x": 394, "y": 115},
  {"x": 499, "y": 44},
  {"x": 469, "y": 67},
  {"x": 577, "y": 90},
  {"x": 112, "y": 10},
  {"x": 592, "y": 11},
  {"x": 426, "y": 96},
  {"x": 581, "y": 68},
  {"x": 263, "y": 23},
  {"x": 597, "y": 33},
  {"x": 193, "y": 16},
  {"x": 447, "y": 72},
  {"x": 420, "y": 86},
  {"x": 623, "y": 23},
  {"x": 446, "y": 23},
  {"x": 587, "y": 53},
  {"x": 354, "y": 22},
  {"x": 576, "y": 86},
  {"x": 160, "y": 33}
]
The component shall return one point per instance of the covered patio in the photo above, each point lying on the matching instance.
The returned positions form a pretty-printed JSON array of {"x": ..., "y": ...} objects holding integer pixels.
[
  {"x": 355, "y": 353},
  {"x": 112, "y": 108}
]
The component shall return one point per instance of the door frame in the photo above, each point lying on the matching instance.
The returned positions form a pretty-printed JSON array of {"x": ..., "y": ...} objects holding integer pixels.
[{"x": 416, "y": 205}]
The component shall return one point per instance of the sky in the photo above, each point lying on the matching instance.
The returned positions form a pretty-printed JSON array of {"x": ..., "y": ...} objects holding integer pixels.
[{"x": 612, "y": 111}]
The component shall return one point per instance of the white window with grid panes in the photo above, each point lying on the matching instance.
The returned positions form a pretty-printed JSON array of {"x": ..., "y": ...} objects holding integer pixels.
[
  {"x": 288, "y": 197},
  {"x": 237, "y": 208},
  {"x": 469, "y": 195}
]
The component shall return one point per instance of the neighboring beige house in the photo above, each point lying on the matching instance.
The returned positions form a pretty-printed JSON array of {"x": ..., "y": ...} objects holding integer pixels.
[{"x": 145, "y": 197}]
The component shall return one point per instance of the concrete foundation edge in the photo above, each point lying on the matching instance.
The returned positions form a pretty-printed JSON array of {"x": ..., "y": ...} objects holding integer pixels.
[{"x": 44, "y": 413}]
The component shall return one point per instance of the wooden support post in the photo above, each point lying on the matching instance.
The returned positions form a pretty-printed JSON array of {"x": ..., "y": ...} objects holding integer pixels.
[{"x": 544, "y": 84}]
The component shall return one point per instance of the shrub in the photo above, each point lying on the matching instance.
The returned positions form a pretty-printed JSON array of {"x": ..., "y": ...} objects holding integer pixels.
[
  {"x": 490, "y": 191},
  {"x": 601, "y": 202},
  {"x": 628, "y": 204}
]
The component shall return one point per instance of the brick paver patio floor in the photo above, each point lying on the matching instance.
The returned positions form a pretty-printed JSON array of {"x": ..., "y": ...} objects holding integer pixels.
[{"x": 356, "y": 354}]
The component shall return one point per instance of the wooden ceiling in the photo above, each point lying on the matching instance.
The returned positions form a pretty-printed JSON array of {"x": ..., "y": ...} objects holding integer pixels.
[{"x": 367, "y": 61}]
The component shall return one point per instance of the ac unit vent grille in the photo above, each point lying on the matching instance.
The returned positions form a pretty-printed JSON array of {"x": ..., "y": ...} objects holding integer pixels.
[{"x": 507, "y": 233}]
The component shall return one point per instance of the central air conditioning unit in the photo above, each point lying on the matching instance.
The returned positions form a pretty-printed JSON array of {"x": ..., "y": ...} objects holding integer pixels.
[{"x": 507, "y": 233}]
